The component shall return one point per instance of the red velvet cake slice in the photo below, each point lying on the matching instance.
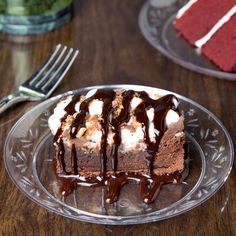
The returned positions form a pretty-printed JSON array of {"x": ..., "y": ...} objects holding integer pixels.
[
  {"x": 209, "y": 25},
  {"x": 198, "y": 17},
  {"x": 221, "y": 49},
  {"x": 111, "y": 137}
]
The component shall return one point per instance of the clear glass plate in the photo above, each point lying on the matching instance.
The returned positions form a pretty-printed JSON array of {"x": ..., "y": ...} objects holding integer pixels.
[
  {"x": 155, "y": 21},
  {"x": 29, "y": 152}
]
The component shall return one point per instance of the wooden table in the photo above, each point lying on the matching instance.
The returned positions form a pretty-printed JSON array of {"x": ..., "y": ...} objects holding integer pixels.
[{"x": 112, "y": 50}]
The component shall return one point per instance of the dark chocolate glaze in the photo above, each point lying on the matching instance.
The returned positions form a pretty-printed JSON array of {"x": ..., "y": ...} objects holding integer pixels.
[
  {"x": 107, "y": 96},
  {"x": 161, "y": 107},
  {"x": 149, "y": 184},
  {"x": 74, "y": 160},
  {"x": 70, "y": 110},
  {"x": 60, "y": 155},
  {"x": 116, "y": 122}
]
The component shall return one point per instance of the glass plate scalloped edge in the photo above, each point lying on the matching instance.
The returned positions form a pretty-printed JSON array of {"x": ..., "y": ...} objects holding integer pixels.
[{"x": 217, "y": 163}]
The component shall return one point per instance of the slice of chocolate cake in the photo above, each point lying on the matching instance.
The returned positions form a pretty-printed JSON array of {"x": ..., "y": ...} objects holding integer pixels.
[
  {"x": 111, "y": 137},
  {"x": 208, "y": 25}
]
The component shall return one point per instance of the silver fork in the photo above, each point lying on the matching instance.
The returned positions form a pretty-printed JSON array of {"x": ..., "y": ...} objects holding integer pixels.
[{"x": 45, "y": 80}]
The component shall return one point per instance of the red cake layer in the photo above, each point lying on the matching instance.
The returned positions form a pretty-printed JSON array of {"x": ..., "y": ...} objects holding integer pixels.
[
  {"x": 221, "y": 48},
  {"x": 201, "y": 17}
]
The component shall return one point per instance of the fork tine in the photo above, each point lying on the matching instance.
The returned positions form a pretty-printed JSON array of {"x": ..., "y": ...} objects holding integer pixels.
[
  {"x": 45, "y": 76},
  {"x": 67, "y": 62},
  {"x": 51, "y": 76},
  {"x": 39, "y": 71}
]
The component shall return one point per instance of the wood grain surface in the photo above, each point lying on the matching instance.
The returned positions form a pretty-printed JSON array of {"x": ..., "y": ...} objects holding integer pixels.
[{"x": 112, "y": 50}]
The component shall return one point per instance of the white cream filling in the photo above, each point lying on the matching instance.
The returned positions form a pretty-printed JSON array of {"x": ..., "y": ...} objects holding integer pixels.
[
  {"x": 54, "y": 120},
  {"x": 171, "y": 117},
  {"x": 96, "y": 137},
  {"x": 96, "y": 107},
  {"x": 199, "y": 43},
  {"x": 185, "y": 8},
  {"x": 150, "y": 114},
  {"x": 134, "y": 103},
  {"x": 90, "y": 93},
  {"x": 176, "y": 103},
  {"x": 129, "y": 140},
  {"x": 77, "y": 107},
  {"x": 151, "y": 131}
]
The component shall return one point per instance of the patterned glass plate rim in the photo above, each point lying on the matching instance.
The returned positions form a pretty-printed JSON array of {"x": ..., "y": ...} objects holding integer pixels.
[
  {"x": 155, "y": 19},
  {"x": 216, "y": 164}
]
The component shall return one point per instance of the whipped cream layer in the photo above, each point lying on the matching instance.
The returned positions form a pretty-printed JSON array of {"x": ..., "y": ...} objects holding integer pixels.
[{"x": 132, "y": 133}]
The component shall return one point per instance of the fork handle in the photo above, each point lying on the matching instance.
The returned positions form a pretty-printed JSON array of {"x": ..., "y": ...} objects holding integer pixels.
[{"x": 11, "y": 100}]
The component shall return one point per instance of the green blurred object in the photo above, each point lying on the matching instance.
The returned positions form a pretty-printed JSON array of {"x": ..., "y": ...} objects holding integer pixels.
[{"x": 33, "y": 16}]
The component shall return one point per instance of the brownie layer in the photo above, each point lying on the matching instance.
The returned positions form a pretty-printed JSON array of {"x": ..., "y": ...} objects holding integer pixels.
[
  {"x": 82, "y": 155},
  {"x": 168, "y": 159}
]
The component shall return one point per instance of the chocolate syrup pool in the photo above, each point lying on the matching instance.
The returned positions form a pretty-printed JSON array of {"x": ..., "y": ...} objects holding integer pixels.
[{"x": 150, "y": 184}]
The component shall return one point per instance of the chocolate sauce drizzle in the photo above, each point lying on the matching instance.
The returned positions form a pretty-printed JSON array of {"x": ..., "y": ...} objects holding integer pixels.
[
  {"x": 116, "y": 122},
  {"x": 161, "y": 107},
  {"x": 70, "y": 110},
  {"x": 149, "y": 184}
]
